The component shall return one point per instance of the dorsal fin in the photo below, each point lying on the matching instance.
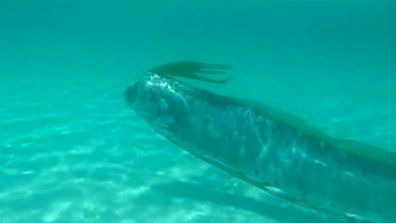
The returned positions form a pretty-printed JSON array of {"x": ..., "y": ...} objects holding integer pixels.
[
  {"x": 215, "y": 73},
  {"x": 350, "y": 146}
]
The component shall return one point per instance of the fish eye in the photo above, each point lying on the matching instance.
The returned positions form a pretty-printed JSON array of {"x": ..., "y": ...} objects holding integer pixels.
[
  {"x": 163, "y": 104},
  {"x": 148, "y": 96}
]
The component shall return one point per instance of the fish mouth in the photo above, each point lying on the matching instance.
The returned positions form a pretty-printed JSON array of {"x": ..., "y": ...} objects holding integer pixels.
[{"x": 130, "y": 95}]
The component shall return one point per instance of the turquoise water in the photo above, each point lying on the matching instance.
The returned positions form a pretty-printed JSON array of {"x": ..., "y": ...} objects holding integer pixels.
[{"x": 72, "y": 151}]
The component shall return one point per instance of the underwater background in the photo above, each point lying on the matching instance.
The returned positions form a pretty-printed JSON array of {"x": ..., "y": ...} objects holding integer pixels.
[{"x": 72, "y": 151}]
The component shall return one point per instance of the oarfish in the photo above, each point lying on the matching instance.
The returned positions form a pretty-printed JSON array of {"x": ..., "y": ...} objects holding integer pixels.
[{"x": 266, "y": 147}]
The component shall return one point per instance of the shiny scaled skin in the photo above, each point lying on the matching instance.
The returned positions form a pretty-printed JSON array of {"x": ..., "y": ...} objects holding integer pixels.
[{"x": 269, "y": 153}]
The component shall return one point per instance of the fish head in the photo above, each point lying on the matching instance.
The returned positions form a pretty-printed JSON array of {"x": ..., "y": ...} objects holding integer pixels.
[{"x": 155, "y": 99}]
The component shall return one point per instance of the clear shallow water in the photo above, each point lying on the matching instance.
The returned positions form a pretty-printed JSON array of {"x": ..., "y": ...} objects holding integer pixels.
[{"x": 72, "y": 151}]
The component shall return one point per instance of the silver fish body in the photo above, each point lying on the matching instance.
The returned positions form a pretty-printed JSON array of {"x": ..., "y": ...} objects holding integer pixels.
[{"x": 268, "y": 153}]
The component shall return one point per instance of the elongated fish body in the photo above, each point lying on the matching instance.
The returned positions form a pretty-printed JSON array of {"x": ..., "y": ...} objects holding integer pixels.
[{"x": 267, "y": 152}]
